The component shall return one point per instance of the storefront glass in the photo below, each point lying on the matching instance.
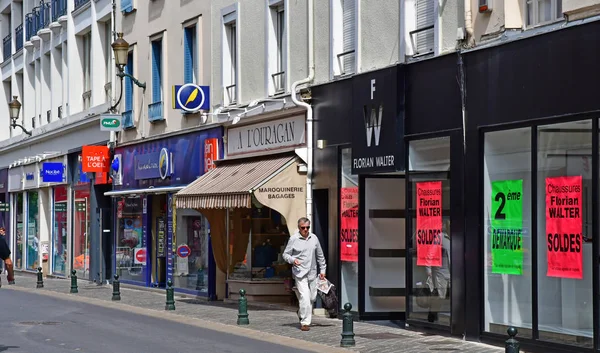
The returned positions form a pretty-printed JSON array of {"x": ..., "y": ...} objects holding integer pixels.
[
  {"x": 348, "y": 232},
  {"x": 59, "y": 234},
  {"x": 507, "y": 278},
  {"x": 429, "y": 175},
  {"x": 564, "y": 223},
  {"x": 191, "y": 258},
  {"x": 131, "y": 247},
  {"x": 33, "y": 234},
  {"x": 81, "y": 230},
  {"x": 19, "y": 232}
]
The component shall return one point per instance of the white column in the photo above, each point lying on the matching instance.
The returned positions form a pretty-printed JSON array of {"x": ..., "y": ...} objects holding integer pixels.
[
  {"x": 56, "y": 66},
  {"x": 75, "y": 68},
  {"x": 28, "y": 100},
  {"x": 46, "y": 85},
  {"x": 65, "y": 79},
  {"x": 97, "y": 62}
]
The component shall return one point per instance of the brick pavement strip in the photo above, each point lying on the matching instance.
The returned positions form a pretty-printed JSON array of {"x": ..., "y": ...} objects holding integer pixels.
[{"x": 266, "y": 322}]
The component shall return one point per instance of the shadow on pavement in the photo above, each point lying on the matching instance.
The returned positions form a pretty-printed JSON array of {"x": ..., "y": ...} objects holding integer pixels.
[{"x": 5, "y": 348}]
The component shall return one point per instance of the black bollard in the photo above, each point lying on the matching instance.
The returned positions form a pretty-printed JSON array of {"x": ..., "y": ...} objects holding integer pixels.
[
  {"x": 116, "y": 288},
  {"x": 170, "y": 296},
  {"x": 512, "y": 345},
  {"x": 74, "y": 282},
  {"x": 347, "y": 327},
  {"x": 40, "y": 279},
  {"x": 243, "y": 309}
]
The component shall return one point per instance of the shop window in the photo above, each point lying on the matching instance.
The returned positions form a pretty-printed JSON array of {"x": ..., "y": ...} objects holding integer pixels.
[
  {"x": 131, "y": 247},
  {"x": 257, "y": 239},
  {"x": 430, "y": 256},
  {"x": 564, "y": 204},
  {"x": 348, "y": 232},
  {"x": 81, "y": 230},
  {"x": 33, "y": 231},
  {"x": 59, "y": 234},
  {"x": 19, "y": 231},
  {"x": 507, "y": 238},
  {"x": 191, "y": 265}
]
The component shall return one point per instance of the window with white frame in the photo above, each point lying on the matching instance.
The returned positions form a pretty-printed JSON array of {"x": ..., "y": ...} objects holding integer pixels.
[
  {"x": 277, "y": 47},
  {"x": 343, "y": 36},
  {"x": 87, "y": 62},
  {"x": 230, "y": 62},
  {"x": 541, "y": 12},
  {"x": 423, "y": 36}
]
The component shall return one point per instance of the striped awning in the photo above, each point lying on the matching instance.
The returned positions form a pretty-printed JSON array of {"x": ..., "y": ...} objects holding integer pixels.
[{"x": 231, "y": 183}]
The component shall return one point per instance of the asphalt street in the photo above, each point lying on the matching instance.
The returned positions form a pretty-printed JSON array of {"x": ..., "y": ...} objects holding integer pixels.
[{"x": 35, "y": 323}]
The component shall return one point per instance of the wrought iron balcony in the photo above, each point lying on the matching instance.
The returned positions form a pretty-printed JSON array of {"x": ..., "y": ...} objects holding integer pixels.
[
  {"x": 80, "y": 3},
  {"x": 19, "y": 37},
  {"x": 43, "y": 15},
  {"x": 6, "y": 47},
  {"x": 127, "y": 119},
  {"x": 59, "y": 8},
  {"x": 30, "y": 27},
  {"x": 155, "y": 111}
]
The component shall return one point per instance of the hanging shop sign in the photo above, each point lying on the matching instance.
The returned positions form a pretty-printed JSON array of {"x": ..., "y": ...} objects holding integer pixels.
[
  {"x": 349, "y": 224},
  {"x": 191, "y": 98},
  {"x": 110, "y": 122},
  {"x": 378, "y": 121},
  {"x": 211, "y": 153},
  {"x": 564, "y": 227},
  {"x": 429, "y": 224},
  {"x": 268, "y": 136},
  {"x": 95, "y": 159},
  {"x": 507, "y": 227},
  {"x": 153, "y": 165},
  {"x": 52, "y": 172}
]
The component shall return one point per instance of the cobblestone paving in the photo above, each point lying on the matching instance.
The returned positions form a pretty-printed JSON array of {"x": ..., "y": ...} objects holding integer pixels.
[{"x": 373, "y": 338}]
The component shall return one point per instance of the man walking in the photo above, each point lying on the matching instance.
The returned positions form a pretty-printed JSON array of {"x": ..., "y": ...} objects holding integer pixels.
[
  {"x": 303, "y": 251},
  {"x": 5, "y": 256}
]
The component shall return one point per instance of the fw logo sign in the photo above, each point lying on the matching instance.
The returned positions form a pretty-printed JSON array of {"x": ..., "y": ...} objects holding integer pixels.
[{"x": 372, "y": 115}]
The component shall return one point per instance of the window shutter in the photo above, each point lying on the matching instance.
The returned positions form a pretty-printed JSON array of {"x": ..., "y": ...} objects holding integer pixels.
[
  {"x": 349, "y": 17},
  {"x": 188, "y": 55},
  {"x": 425, "y": 18},
  {"x": 126, "y": 6},
  {"x": 129, "y": 83},
  {"x": 156, "y": 71}
]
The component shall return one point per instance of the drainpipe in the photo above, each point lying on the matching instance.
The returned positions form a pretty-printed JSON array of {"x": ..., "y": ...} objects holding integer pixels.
[
  {"x": 470, "y": 40},
  {"x": 113, "y": 134},
  {"x": 309, "y": 111}
]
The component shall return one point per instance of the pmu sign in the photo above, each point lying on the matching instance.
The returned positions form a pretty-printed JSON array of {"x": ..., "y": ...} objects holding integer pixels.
[
  {"x": 110, "y": 122},
  {"x": 191, "y": 98},
  {"x": 378, "y": 121}
]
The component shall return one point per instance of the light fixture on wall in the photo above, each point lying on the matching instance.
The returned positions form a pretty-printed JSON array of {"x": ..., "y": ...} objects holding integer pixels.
[
  {"x": 14, "y": 109},
  {"x": 121, "y": 50}
]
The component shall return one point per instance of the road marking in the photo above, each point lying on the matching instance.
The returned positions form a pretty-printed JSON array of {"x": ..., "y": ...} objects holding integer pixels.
[{"x": 209, "y": 325}]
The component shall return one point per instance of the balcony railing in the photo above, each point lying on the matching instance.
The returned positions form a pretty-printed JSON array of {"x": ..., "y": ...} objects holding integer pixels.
[
  {"x": 80, "y": 3},
  {"x": 19, "y": 37},
  {"x": 43, "y": 15},
  {"x": 155, "y": 111},
  {"x": 127, "y": 119},
  {"x": 59, "y": 8},
  {"x": 6, "y": 47},
  {"x": 30, "y": 27}
]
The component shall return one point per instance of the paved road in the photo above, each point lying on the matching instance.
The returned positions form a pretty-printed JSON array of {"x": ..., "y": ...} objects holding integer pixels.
[{"x": 35, "y": 323}]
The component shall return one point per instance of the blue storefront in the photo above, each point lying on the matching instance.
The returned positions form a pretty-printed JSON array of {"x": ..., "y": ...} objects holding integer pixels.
[{"x": 154, "y": 242}]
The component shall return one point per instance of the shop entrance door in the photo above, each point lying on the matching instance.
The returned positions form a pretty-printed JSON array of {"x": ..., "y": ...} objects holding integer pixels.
[{"x": 158, "y": 215}]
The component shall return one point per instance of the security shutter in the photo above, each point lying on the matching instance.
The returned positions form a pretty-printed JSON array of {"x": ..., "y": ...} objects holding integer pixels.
[
  {"x": 128, "y": 83},
  {"x": 424, "y": 37},
  {"x": 349, "y": 15}
]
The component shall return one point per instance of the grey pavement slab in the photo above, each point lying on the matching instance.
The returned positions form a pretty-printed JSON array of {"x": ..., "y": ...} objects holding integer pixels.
[{"x": 370, "y": 337}]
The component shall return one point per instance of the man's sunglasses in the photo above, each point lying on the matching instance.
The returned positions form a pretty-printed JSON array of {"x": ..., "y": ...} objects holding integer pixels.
[{"x": 303, "y": 228}]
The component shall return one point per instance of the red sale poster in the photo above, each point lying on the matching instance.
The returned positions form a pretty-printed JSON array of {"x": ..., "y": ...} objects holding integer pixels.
[
  {"x": 564, "y": 226},
  {"x": 429, "y": 224},
  {"x": 349, "y": 224}
]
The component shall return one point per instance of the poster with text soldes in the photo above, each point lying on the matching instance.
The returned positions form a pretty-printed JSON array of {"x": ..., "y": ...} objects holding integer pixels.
[
  {"x": 429, "y": 224},
  {"x": 349, "y": 224},
  {"x": 507, "y": 227},
  {"x": 564, "y": 226}
]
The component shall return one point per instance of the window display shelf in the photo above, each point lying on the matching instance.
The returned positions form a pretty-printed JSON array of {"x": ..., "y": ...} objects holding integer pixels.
[
  {"x": 386, "y": 292},
  {"x": 386, "y": 213},
  {"x": 387, "y": 253}
]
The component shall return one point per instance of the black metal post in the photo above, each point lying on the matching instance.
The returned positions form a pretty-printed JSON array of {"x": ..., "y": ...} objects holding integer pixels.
[
  {"x": 347, "y": 327},
  {"x": 170, "y": 296},
  {"x": 243, "y": 309},
  {"x": 116, "y": 288},
  {"x": 74, "y": 282},
  {"x": 40, "y": 279},
  {"x": 512, "y": 345}
]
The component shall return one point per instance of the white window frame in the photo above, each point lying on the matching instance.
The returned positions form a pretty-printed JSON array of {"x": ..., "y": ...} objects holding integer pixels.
[
  {"x": 277, "y": 47},
  {"x": 409, "y": 24},
  {"x": 535, "y": 20},
  {"x": 230, "y": 59},
  {"x": 109, "y": 73},
  {"x": 87, "y": 70},
  {"x": 336, "y": 39}
]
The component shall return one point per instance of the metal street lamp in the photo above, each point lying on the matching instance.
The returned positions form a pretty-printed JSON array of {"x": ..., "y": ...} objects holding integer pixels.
[
  {"x": 14, "y": 109},
  {"x": 121, "y": 50}
]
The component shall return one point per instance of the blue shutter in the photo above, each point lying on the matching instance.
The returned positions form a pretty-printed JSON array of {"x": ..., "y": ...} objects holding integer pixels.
[
  {"x": 129, "y": 83},
  {"x": 126, "y": 6},
  {"x": 156, "y": 71},
  {"x": 188, "y": 54}
]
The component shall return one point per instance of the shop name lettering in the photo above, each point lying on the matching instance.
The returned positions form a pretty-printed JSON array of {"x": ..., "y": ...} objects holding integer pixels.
[
  {"x": 268, "y": 135},
  {"x": 147, "y": 165},
  {"x": 370, "y": 162},
  {"x": 564, "y": 207},
  {"x": 95, "y": 161},
  {"x": 280, "y": 193},
  {"x": 52, "y": 172}
]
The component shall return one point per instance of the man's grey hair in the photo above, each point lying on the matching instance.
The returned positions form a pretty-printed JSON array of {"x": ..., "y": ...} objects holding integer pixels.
[{"x": 303, "y": 220}]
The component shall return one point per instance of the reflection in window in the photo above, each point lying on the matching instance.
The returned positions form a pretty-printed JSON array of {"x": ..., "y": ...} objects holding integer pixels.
[
  {"x": 131, "y": 250},
  {"x": 20, "y": 233},
  {"x": 191, "y": 270},
  {"x": 507, "y": 276},
  {"x": 81, "y": 239},
  {"x": 348, "y": 226},
  {"x": 33, "y": 234},
  {"x": 59, "y": 234}
]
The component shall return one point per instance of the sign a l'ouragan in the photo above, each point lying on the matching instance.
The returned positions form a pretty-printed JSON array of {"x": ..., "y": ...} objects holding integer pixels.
[{"x": 270, "y": 135}]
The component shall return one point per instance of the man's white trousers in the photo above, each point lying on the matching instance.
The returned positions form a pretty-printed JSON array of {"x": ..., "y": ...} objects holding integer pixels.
[{"x": 307, "y": 294}]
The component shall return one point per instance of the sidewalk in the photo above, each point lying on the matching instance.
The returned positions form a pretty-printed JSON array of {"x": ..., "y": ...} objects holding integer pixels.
[{"x": 373, "y": 338}]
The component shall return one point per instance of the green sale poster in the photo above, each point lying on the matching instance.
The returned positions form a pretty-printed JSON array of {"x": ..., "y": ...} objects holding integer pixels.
[{"x": 507, "y": 227}]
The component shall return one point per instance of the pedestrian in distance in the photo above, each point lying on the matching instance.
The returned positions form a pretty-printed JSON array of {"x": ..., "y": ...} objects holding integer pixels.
[
  {"x": 304, "y": 252},
  {"x": 5, "y": 256}
]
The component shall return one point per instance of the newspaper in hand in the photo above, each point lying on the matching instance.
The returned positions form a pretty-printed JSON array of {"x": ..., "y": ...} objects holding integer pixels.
[{"x": 324, "y": 285}]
